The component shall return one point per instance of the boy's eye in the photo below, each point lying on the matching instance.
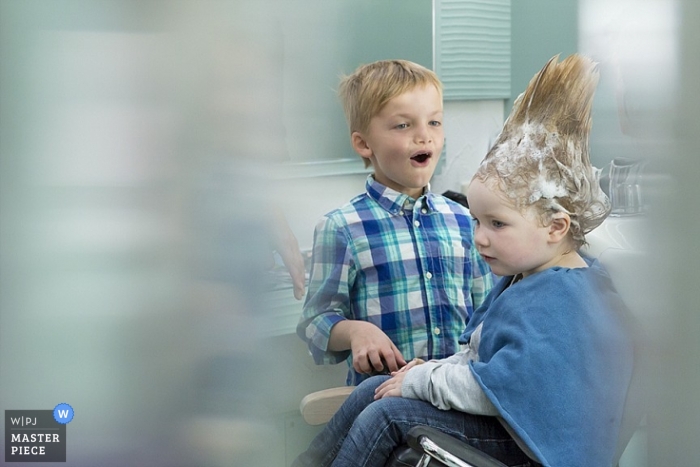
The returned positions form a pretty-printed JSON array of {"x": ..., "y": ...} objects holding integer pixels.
[
  {"x": 497, "y": 224},
  {"x": 435, "y": 123},
  {"x": 401, "y": 126}
]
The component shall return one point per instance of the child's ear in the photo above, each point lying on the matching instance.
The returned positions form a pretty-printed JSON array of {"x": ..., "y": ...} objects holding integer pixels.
[
  {"x": 559, "y": 226},
  {"x": 359, "y": 144}
]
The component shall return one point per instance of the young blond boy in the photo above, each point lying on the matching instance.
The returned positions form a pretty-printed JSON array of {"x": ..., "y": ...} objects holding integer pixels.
[
  {"x": 545, "y": 375},
  {"x": 395, "y": 273}
]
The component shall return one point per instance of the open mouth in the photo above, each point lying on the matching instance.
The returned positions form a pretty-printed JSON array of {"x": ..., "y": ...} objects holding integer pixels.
[
  {"x": 421, "y": 157},
  {"x": 486, "y": 257}
]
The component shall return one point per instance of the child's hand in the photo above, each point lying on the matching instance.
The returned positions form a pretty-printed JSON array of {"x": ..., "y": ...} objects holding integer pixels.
[
  {"x": 390, "y": 387},
  {"x": 409, "y": 365}
]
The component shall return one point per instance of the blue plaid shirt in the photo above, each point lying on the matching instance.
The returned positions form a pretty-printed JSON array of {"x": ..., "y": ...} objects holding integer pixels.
[{"x": 408, "y": 266}]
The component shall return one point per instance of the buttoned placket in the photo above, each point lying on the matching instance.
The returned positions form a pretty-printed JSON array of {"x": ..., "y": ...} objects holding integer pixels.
[{"x": 420, "y": 210}]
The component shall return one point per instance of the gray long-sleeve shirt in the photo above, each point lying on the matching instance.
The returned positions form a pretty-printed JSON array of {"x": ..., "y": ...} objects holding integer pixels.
[{"x": 449, "y": 383}]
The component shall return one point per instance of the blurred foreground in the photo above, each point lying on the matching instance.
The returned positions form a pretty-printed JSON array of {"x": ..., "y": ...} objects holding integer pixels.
[{"x": 135, "y": 136}]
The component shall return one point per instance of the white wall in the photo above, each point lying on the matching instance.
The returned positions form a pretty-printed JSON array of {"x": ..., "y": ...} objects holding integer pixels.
[{"x": 470, "y": 129}]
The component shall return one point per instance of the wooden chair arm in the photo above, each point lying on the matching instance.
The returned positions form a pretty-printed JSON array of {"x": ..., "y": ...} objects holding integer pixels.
[{"x": 318, "y": 407}]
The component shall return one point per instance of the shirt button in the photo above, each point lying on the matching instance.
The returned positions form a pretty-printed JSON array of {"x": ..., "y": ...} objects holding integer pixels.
[
  {"x": 436, "y": 331},
  {"x": 424, "y": 211},
  {"x": 416, "y": 223},
  {"x": 400, "y": 213},
  {"x": 429, "y": 275}
]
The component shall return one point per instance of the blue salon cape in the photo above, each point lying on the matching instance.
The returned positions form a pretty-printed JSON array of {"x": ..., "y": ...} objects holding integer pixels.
[{"x": 556, "y": 358}]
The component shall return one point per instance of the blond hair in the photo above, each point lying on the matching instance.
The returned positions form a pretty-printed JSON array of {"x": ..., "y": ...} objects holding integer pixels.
[
  {"x": 365, "y": 92},
  {"x": 540, "y": 160}
]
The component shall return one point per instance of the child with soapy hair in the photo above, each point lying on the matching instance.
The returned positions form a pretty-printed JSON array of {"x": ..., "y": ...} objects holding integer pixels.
[{"x": 549, "y": 354}]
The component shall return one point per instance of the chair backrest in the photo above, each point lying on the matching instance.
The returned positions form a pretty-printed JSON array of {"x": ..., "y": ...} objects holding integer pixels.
[
  {"x": 623, "y": 265},
  {"x": 635, "y": 404}
]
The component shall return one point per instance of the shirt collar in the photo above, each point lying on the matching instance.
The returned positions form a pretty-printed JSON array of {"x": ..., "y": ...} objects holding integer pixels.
[{"x": 393, "y": 201}]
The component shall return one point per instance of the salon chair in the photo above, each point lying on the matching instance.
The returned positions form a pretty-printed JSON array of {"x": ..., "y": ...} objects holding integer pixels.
[{"x": 428, "y": 446}]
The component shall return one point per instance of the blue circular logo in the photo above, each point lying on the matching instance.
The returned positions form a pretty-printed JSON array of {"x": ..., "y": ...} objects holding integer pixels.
[{"x": 63, "y": 413}]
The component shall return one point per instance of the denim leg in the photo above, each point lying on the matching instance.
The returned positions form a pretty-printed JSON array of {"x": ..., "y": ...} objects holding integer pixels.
[
  {"x": 364, "y": 432},
  {"x": 328, "y": 442}
]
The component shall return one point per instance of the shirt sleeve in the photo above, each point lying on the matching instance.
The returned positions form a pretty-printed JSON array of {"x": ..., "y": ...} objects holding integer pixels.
[
  {"x": 328, "y": 298},
  {"x": 450, "y": 383}
]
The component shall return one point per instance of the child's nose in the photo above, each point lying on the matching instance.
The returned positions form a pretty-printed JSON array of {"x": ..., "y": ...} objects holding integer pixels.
[
  {"x": 480, "y": 238},
  {"x": 423, "y": 134}
]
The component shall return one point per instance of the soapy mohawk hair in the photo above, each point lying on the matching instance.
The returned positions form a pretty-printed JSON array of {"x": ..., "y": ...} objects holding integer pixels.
[{"x": 541, "y": 157}]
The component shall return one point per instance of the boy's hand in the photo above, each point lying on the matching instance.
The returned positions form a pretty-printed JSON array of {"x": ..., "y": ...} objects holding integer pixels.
[{"x": 372, "y": 350}]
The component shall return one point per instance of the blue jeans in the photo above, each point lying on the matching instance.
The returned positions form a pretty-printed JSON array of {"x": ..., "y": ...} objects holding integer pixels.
[{"x": 364, "y": 432}]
